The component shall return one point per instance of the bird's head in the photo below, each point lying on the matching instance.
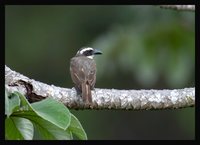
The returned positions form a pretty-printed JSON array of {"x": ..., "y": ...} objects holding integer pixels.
[{"x": 88, "y": 52}]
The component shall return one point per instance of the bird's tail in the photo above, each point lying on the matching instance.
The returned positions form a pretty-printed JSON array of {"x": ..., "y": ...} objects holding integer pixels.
[{"x": 86, "y": 93}]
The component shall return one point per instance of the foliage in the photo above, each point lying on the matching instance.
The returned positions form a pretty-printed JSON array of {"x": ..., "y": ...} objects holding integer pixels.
[
  {"x": 141, "y": 54},
  {"x": 44, "y": 120}
]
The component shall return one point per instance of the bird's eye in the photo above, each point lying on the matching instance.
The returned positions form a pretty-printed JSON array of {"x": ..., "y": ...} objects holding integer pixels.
[{"x": 88, "y": 53}]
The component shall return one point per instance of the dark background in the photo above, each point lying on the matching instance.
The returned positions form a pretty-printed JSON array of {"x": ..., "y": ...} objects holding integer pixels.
[{"x": 144, "y": 47}]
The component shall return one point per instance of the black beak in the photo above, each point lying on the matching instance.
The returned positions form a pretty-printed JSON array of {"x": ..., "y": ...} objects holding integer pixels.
[{"x": 97, "y": 52}]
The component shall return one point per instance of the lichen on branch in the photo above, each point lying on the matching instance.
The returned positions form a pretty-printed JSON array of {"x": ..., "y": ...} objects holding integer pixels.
[{"x": 102, "y": 98}]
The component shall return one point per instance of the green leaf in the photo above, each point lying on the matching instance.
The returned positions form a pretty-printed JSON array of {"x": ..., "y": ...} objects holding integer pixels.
[
  {"x": 44, "y": 130},
  {"x": 12, "y": 103},
  {"x": 48, "y": 131},
  {"x": 53, "y": 111},
  {"x": 11, "y": 131},
  {"x": 48, "y": 117},
  {"x": 24, "y": 102},
  {"x": 76, "y": 128},
  {"x": 24, "y": 126},
  {"x": 18, "y": 128},
  {"x": 6, "y": 103}
]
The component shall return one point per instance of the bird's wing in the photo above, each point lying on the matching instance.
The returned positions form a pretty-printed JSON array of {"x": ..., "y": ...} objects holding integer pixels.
[
  {"x": 91, "y": 78},
  {"x": 83, "y": 72},
  {"x": 77, "y": 73}
]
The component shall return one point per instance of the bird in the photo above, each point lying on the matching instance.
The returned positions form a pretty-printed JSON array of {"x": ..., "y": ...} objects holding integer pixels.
[{"x": 83, "y": 72}]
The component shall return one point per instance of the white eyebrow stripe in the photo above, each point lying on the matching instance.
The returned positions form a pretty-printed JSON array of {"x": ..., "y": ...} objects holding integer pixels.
[{"x": 85, "y": 49}]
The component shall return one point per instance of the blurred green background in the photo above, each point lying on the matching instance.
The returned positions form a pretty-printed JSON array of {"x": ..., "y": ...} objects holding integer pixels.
[{"x": 144, "y": 47}]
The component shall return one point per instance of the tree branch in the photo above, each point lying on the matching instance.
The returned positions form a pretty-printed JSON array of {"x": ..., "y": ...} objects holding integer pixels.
[
  {"x": 179, "y": 7},
  {"x": 102, "y": 98}
]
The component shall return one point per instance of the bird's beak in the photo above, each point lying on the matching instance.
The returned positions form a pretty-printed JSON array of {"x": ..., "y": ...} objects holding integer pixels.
[{"x": 96, "y": 52}]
